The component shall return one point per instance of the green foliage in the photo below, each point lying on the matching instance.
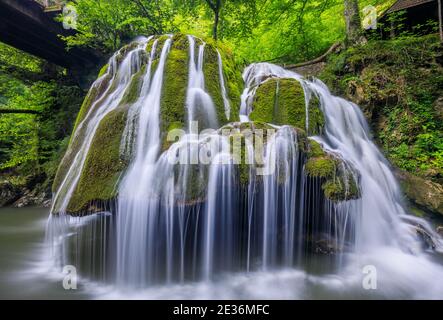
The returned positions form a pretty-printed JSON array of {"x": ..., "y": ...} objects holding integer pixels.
[
  {"x": 396, "y": 24},
  {"x": 397, "y": 83},
  {"x": 30, "y": 144},
  {"x": 259, "y": 30},
  {"x": 19, "y": 132},
  {"x": 107, "y": 25}
]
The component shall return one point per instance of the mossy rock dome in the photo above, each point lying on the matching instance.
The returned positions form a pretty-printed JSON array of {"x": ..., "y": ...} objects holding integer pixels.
[
  {"x": 105, "y": 163},
  {"x": 282, "y": 101}
]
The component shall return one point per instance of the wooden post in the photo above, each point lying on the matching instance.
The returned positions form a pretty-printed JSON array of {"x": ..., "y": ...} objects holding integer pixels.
[{"x": 440, "y": 23}]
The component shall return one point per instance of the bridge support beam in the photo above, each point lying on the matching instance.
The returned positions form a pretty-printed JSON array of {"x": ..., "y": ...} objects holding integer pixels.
[{"x": 25, "y": 26}]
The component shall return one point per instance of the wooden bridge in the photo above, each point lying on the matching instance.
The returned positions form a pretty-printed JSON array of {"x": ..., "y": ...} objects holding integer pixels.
[{"x": 29, "y": 25}]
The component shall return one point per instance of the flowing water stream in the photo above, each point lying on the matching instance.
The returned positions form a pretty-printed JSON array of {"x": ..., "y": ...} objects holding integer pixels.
[{"x": 195, "y": 229}]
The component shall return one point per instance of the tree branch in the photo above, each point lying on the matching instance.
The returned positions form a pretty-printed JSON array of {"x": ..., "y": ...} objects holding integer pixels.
[
  {"x": 6, "y": 110},
  {"x": 316, "y": 60},
  {"x": 211, "y": 5},
  {"x": 146, "y": 11}
]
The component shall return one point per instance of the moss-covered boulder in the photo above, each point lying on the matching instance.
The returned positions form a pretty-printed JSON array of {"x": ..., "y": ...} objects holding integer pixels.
[
  {"x": 105, "y": 164},
  {"x": 239, "y": 134},
  {"x": 282, "y": 101},
  {"x": 257, "y": 135},
  {"x": 339, "y": 179},
  {"x": 173, "y": 101}
]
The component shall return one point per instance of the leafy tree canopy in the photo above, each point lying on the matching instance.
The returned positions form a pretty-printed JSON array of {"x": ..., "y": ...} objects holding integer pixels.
[{"x": 283, "y": 30}]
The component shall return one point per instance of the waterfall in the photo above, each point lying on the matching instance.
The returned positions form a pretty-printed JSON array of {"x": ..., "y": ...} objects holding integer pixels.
[
  {"x": 108, "y": 101},
  {"x": 136, "y": 207},
  {"x": 199, "y": 103},
  {"x": 380, "y": 210},
  {"x": 226, "y": 198},
  {"x": 223, "y": 87}
]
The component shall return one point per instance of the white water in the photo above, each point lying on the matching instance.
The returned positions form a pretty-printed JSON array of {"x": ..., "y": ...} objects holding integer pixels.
[
  {"x": 346, "y": 133},
  {"x": 165, "y": 236},
  {"x": 223, "y": 87},
  {"x": 198, "y": 101},
  {"x": 135, "y": 206},
  {"x": 106, "y": 102}
]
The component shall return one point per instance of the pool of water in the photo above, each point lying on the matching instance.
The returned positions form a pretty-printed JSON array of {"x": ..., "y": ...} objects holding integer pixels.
[{"x": 27, "y": 273}]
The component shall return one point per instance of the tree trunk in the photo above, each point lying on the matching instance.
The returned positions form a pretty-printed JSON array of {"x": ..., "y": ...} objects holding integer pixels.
[
  {"x": 353, "y": 22},
  {"x": 215, "y": 27},
  {"x": 440, "y": 22},
  {"x": 215, "y": 6}
]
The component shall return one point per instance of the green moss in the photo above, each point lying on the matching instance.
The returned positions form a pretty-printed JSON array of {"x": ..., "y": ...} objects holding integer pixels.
[
  {"x": 322, "y": 167},
  {"x": 290, "y": 107},
  {"x": 103, "y": 165},
  {"x": 315, "y": 149},
  {"x": 173, "y": 100},
  {"x": 103, "y": 70},
  {"x": 264, "y": 103},
  {"x": 122, "y": 53},
  {"x": 195, "y": 186},
  {"x": 338, "y": 183},
  {"x": 212, "y": 82},
  {"x": 316, "y": 117},
  {"x": 398, "y": 84},
  {"x": 162, "y": 39},
  {"x": 74, "y": 144},
  {"x": 238, "y": 151},
  {"x": 178, "y": 125},
  {"x": 132, "y": 93},
  {"x": 282, "y": 101},
  {"x": 180, "y": 41},
  {"x": 338, "y": 190},
  {"x": 232, "y": 71},
  {"x": 237, "y": 134},
  {"x": 91, "y": 97}
]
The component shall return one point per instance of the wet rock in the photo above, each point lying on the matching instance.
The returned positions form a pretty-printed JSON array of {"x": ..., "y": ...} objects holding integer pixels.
[
  {"x": 425, "y": 237},
  {"x": 8, "y": 193},
  {"x": 32, "y": 198},
  {"x": 422, "y": 192},
  {"x": 325, "y": 246}
]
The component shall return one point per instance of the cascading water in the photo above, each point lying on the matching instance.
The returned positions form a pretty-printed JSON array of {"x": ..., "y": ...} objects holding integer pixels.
[
  {"x": 198, "y": 101},
  {"x": 223, "y": 87},
  {"x": 108, "y": 101},
  {"x": 135, "y": 206},
  {"x": 198, "y": 210}
]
